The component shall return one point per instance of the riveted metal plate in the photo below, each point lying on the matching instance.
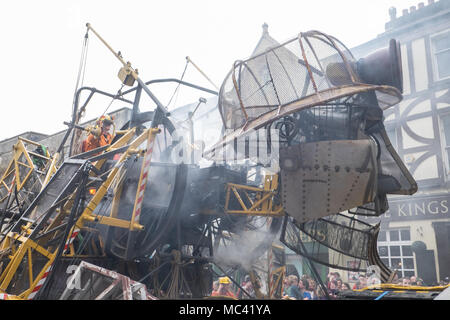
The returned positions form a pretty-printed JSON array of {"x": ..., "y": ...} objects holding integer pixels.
[{"x": 326, "y": 177}]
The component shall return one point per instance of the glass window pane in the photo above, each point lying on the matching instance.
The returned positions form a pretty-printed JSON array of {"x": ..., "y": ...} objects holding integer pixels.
[
  {"x": 406, "y": 251},
  {"x": 393, "y": 235},
  {"x": 395, "y": 251},
  {"x": 408, "y": 263},
  {"x": 385, "y": 261},
  {"x": 446, "y": 126},
  {"x": 382, "y": 234},
  {"x": 383, "y": 251},
  {"x": 405, "y": 235},
  {"x": 396, "y": 263},
  {"x": 443, "y": 63},
  {"x": 441, "y": 42}
]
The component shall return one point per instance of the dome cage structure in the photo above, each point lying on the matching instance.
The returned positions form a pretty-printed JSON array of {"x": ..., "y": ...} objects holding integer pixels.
[{"x": 310, "y": 70}]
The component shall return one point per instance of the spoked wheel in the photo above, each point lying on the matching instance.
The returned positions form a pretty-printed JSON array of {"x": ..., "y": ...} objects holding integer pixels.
[
  {"x": 162, "y": 198},
  {"x": 206, "y": 242}
]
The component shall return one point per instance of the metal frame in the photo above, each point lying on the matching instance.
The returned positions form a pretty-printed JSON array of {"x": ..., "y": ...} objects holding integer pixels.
[
  {"x": 104, "y": 284},
  {"x": 260, "y": 201},
  {"x": 34, "y": 235},
  {"x": 136, "y": 114},
  {"x": 16, "y": 167}
]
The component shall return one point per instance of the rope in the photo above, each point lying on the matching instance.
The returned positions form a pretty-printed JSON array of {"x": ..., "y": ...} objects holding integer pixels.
[
  {"x": 81, "y": 74},
  {"x": 82, "y": 66},
  {"x": 202, "y": 73},
  {"x": 118, "y": 94},
  {"x": 178, "y": 281},
  {"x": 178, "y": 86},
  {"x": 85, "y": 63}
]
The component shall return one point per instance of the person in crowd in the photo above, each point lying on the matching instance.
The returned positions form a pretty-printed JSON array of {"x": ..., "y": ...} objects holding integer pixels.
[
  {"x": 419, "y": 282},
  {"x": 333, "y": 288},
  {"x": 312, "y": 288},
  {"x": 285, "y": 285},
  {"x": 361, "y": 283},
  {"x": 224, "y": 289},
  {"x": 345, "y": 286},
  {"x": 405, "y": 282},
  {"x": 247, "y": 285},
  {"x": 303, "y": 285},
  {"x": 331, "y": 276},
  {"x": 339, "y": 283},
  {"x": 215, "y": 285},
  {"x": 337, "y": 275},
  {"x": 293, "y": 292}
]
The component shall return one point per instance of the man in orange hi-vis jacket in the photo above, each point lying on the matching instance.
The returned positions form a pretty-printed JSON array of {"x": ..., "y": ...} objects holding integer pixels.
[{"x": 100, "y": 137}]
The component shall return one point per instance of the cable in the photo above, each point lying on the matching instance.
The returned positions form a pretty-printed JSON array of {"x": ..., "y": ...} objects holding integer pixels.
[
  {"x": 382, "y": 295},
  {"x": 82, "y": 66},
  {"x": 178, "y": 86},
  {"x": 118, "y": 94}
]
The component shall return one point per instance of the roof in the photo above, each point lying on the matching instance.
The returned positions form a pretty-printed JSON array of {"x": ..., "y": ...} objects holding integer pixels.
[{"x": 265, "y": 42}]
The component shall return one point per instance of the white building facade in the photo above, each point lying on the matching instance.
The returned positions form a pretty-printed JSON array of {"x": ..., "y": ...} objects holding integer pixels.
[{"x": 415, "y": 232}]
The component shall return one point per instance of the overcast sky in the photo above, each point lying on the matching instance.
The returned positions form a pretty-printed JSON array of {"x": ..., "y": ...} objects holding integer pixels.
[{"x": 42, "y": 43}]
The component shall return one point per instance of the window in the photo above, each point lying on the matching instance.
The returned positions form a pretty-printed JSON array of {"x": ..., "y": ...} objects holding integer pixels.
[
  {"x": 394, "y": 248},
  {"x": 440, "y": 46},
  {"x": 445, "y": 134}
]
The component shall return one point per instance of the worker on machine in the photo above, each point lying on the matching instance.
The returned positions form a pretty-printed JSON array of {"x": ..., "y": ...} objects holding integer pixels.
[{"x": 100, "y": 135}]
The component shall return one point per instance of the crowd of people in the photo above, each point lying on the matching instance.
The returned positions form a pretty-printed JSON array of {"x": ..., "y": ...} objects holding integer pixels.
[
  {"x": 307, "y": 288},
  {"x": 223, "y": 288}
]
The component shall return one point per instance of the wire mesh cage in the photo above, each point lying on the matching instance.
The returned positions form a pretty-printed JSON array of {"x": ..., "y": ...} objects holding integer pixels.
[
  {"x": 309, "y": 70},
  {"x": 339, "y": 241}
]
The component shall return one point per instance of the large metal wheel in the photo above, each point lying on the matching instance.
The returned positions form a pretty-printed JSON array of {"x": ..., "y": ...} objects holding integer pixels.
[{"x": 162, "y": 198}]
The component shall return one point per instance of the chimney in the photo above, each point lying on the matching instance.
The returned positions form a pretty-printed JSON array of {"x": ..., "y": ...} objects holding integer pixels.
[
  {"x": 412, "y": 9},
  {"x": 265, "y": 27},
  {"x": 405, "y": 12},
  {"x": 430, "y": 2},
  {"x": 421, "y": 5},
  {"x": 393, "y": 13}
]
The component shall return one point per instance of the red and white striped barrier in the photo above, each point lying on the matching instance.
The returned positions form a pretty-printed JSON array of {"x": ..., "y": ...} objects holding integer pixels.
[
  {"x": 71, "y": 239},
  {"x": 40, "y": 283},
  {"x": 143, "y": 180},
  {"x": 44, "y": 277}
]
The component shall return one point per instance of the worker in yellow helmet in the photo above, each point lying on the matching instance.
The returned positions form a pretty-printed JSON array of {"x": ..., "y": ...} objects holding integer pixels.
[
  {"x": 224, "y": 289},
  {"x": 100, "y": 136}
]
